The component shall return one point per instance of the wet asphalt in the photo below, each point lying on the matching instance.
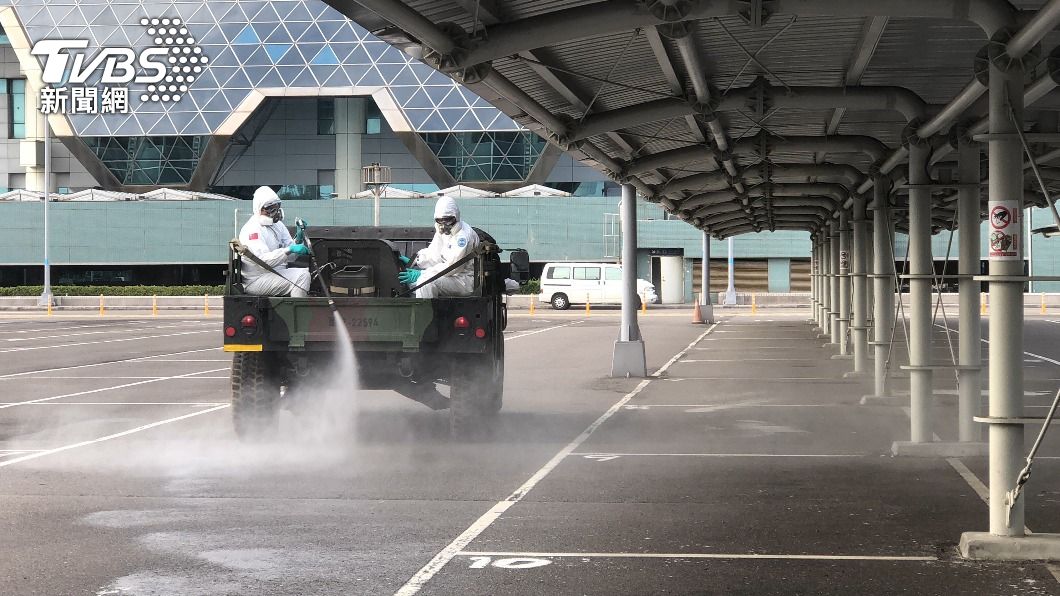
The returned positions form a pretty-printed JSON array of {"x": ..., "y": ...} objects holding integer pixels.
[{"x": 746, "y": 466}]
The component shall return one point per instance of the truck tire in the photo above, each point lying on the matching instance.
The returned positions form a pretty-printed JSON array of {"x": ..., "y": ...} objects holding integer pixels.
[
  {"x": 471, "y": 398},
  {"x": 255, "y": 396},
  {"x": 560, "y": 301},
  {"x": 496, "y": 384}
]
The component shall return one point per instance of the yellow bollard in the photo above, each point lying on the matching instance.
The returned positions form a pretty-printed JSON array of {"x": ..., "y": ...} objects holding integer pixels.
[
  {"x": 533, "y": 302},
  {"x": 587, "y": 309},
  {"x": 154, "y": 306},
  {"x": 205, "y": 305},
  {"x": 754, "y": 303},
  {"x": 982, "y": 304},
  {"x": 101, "y": 305},
  {"x": 643, "y": 306},
  {"x": 1043, "y": 303},
  {"x": 49, "y": 306}
]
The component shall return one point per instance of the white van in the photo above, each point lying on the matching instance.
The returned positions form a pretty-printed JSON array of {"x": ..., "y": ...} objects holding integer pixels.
[{"x": 563, "y": 284}]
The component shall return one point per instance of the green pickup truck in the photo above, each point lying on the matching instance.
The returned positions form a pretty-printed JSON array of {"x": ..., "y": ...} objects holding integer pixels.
[{"x": 401, "y": 343}]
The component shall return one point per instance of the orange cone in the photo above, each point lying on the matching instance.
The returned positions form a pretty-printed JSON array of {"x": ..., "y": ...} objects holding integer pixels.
[{"x": 697, "y": 313}]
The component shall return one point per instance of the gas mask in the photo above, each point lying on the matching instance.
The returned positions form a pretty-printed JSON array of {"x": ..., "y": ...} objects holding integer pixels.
[
  {"x": 445, "y": 225},
  {"x": 271, "y": 213}
]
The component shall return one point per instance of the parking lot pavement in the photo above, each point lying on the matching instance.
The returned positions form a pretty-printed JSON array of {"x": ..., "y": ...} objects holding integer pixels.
[{"x": 745, "y": 465}]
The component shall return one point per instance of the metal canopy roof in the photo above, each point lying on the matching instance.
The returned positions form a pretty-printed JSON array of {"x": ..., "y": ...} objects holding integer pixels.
[{"x": 741, "y": 115}]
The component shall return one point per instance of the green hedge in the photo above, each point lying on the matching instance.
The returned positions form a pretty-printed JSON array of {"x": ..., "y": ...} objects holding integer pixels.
[
  {"x": 114, "y": 290},
  {"x": 532, "y": 287}
]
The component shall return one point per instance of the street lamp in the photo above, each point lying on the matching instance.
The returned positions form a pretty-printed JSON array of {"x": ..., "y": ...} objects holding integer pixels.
[
  {"x": 378, "y": 177},
  {"x": 46, "y": 293}
]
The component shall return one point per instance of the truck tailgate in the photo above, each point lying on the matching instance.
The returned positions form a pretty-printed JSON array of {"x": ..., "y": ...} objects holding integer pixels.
[{"x": 386, "y": 322}]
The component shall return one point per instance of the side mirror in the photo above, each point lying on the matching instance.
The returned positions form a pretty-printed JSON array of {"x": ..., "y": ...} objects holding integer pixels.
[{"x": 520, "y": 264}]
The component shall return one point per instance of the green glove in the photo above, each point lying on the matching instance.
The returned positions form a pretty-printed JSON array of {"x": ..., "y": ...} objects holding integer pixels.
[
  {"x": 298, "y": 249},
  {"x": 299, "y": 233},
  {"x": 405, "y": 260},
  {"x": 409, "y": 276}
]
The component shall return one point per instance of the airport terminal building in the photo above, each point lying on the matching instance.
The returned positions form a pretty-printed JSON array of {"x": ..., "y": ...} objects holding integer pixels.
[{"x": 215, "y": 98}]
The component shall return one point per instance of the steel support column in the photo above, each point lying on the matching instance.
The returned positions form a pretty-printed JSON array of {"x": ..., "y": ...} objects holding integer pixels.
[
  {"x": 844, "y": 283},
  {"x": 921, "y": 268},
  {"x": 833, "y": 283},
  {"x": 859, "y": 329},
  {"x": 629, "y": 360},
  {"x": 883, "y": 282},
  {"x": 706, "y": 304},
  {"x": 1006, "y": 303},
  {"x": 815, "y": 277},
  {"x": 970, "y": 346}
]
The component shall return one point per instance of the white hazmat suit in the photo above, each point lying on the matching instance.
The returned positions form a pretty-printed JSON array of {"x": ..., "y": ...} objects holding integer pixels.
[
  {"x": 269, "y": 241},
  {"x": 443, "y": 251}
]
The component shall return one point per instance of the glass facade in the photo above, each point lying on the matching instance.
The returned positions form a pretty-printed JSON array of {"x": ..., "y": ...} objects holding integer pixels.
[
  {"x": 486, "y": 156},
  {"x": 326, "y": 116},
  {"x": 254, "y": 44},
  {"x": 149, "y": 160},
  {"x": 16, "y": 108}
]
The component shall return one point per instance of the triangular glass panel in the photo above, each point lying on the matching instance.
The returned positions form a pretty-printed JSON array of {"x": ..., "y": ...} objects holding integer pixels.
[
  {"x": 295, "y": 57},
  {"x": 403, "y": 77},
  {"x": 336, "y": 30},
  {"x": 289, "y": 73},
  {"x": 214, "y": 36},
  {"x": 326, "y": 56},
  {"x": 311, "y": 34},
  {"x": 276, "y": 51},
  {"x": 256, "y": 73},
  {"x": 371, "y": 78},
  {"x": 419, "y": 99},
  {"x": 279, "y": 35},
  {"x": 323, "y": 73},
  {"x": 244, "y": 52},
  {"x": 272, "y": 79},
  {"x": 239, "y": 81},
  {"x": 357, "y": 55},
  {"x": 434, "y": 122},
  {"x": 305, "y": 79},
  {"x": 417, "y": 117},
  {"x": 299, "y": 13},
  {"x": 218, "y": 104},
  {"x": 247, "y": 36},
  {"x": 338, "y": 79}
]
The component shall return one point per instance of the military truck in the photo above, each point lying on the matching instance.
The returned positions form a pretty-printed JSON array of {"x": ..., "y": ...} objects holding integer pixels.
[{"x": 402, "y": 343}]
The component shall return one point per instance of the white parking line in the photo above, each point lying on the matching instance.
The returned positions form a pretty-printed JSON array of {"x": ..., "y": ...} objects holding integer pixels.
[
  {"x": 102, "y": 389},
  {"x": 542, "y": 555},
  {"x": 125, "y": 433},
  {"x": 723, "y": 455},
  {"x": 424, "y": 575},
  {"x": 103, "y": 332},
  {"x": 124, "y": 361},
  {"x": 110, "y": 377},
  {"x": 733, "y": 405},
  {"x": 120, "y": 403},
  {"x": 535, "y": 332},
  {"x": 106, "y": 341}
]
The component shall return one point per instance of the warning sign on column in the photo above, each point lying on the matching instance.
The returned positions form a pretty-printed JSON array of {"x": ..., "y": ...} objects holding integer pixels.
[{"x": 1004, "y": 238}]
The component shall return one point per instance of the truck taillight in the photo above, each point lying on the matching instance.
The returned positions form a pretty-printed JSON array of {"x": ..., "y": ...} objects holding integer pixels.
[
  {"x": 248, "y": 321},
  {"x": 230, "y": 331},
  {"x": 480, "y": 332},
  {"x": 461, "y": 323}
]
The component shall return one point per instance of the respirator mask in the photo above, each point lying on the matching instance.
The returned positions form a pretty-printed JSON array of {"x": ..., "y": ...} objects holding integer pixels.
[
  {"x": 271, "y": 213},
  {"x": 445, "y": 225}
]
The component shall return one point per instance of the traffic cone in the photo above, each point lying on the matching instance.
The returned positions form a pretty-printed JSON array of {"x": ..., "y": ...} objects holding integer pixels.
[{"x": 697, "y": 313}]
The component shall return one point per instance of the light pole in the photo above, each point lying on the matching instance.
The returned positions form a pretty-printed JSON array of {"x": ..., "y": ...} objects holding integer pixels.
[
  {"x": 46, "y": 293},
  {"x": 378, "y": 177}
]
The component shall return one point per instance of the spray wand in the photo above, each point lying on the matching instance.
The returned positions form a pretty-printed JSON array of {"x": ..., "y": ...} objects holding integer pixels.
[{"x": 300, "y": 224}]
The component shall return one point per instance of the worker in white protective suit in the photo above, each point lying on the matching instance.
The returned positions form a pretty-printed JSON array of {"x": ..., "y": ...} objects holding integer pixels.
[
  {"x": 268, "y": 239},
  {"x": 453, "y": 240}
]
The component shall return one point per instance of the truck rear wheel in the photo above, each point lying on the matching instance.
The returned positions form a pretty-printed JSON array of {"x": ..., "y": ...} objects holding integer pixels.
[
  {"x": 255, "y": 395},
  {"x": 474, "y": 395}
]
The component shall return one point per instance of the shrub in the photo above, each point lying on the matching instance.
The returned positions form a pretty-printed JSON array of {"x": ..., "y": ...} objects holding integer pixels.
[{"x": 532, "y": 287}]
